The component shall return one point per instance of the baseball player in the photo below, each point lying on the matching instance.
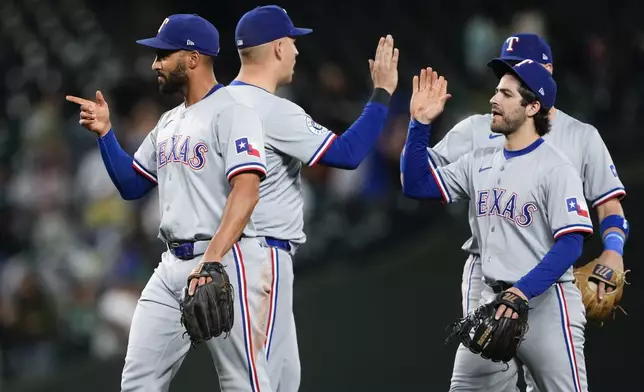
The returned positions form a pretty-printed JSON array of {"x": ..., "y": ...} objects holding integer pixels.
[
  {"x": 531, "y": 216},
  {"x": 583, "y": 146},
  {"x": 265, "y": 38},
  {"x": 207, "y": 158}
]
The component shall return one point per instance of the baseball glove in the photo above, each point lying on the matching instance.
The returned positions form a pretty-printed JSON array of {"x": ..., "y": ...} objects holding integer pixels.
[
  {"x": 588, "y": 277},
  {"x": 496, "y": 340},
  {"x": 209, "y": 312}
]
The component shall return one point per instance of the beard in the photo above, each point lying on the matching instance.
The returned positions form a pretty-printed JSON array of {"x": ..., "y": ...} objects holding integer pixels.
[
  {"x": 508, "y": 123},
  {"x": 175, "y": 81}
]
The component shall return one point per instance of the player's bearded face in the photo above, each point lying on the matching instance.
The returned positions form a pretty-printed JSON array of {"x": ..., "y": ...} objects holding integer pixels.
[
  {"x": 173, "y": 81},
  {"x": 507, "y": 112},
  {"x": 507, "y": 122}
]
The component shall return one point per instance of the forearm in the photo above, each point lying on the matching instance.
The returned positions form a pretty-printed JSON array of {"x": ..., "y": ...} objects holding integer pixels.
[
  {"x": 130, "y": 183},
  {"x": 417, "y": 180},
  {"x": 240, "y": 204},
  {"x": 612, "y": 220},
  {"x": 611, "y": 207},
  {"x": 350, "y": 149},
  {"x": 564, "y": 253}
]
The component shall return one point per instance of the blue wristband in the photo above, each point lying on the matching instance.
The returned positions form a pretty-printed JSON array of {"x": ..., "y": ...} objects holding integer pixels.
[
  {"x": 614, "y": 241},
  {"x": 616, "y": 221}
]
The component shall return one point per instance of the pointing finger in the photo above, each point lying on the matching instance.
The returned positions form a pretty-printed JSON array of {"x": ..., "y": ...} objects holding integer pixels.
[
  {"x": 601, "y": 290},
  {"x": 77, "y": 100}
]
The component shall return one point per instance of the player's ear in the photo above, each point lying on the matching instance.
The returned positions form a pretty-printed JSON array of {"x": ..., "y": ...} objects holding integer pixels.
[
  {"x": 533, "y": 108},
  {"x": 278, "y": 48},
  {"x": 193, "y": 58}
]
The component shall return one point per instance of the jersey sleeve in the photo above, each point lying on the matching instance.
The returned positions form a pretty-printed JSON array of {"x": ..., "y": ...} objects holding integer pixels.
[
  {"x": 601, "y": 182},
  {"x": 456, "y": 143},
  {"x": 567, "y": 211},
  {"x": 293, "y": 132},
  {"x": 145, "y": 158},
  {"x": 453, "y": 180},
  {"x": 240, "y": 135}
]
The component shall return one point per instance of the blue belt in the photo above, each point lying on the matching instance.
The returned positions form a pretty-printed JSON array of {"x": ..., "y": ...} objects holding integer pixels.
[
  {"x": 282, "y": 244},
  {"x": 187, "y": 250}
]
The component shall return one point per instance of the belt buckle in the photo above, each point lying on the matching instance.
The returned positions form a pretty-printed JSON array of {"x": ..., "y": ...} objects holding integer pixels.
[{"x": 183, "y": 251}]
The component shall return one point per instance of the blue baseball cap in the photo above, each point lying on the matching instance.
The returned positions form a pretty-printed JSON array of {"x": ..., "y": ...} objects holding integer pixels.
[
  {"x": 265, "y": 24},
  {"x": 523, "y": 46},
  {"x": 534, "y": 75},
  {"x": 185, "y": 32}
]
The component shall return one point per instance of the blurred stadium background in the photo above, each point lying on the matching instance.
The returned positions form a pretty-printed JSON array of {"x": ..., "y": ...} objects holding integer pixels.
[{"x": 380, "y": 276}]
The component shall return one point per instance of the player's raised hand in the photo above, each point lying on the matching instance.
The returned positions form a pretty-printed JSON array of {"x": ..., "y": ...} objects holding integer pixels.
[
  {"x": 429, "y": 94},
  {"x": 94, "y": 115},
  {"x": 384, "y": 67}
]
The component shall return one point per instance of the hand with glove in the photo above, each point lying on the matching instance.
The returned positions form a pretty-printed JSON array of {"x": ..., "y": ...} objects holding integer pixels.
[
  {"x": 207, "y": 308},
  {"x": 495, "y": 330},
  {"x": 588, "y": 278}
]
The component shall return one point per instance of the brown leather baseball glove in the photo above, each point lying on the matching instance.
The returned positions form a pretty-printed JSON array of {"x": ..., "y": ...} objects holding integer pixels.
[{"x": 588, "y": 277}]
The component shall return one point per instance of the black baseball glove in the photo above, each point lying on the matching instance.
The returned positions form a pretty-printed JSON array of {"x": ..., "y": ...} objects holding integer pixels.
[
  {"x": 209, "y": 312},
  {"x": 497, "y": 340}
]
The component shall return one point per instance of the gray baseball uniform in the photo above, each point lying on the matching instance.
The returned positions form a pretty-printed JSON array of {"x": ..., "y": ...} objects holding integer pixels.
[
  {"x": 192, "y": 153},
  {"x": 292, "y": 138},
  {"x": 523, "y": 202},
  {"x": 583, "y": 146}
]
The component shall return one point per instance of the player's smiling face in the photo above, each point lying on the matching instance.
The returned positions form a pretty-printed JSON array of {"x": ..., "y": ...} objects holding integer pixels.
[
  {"x": 507, "y": 112},
  {"x": 171, "y": 71}
]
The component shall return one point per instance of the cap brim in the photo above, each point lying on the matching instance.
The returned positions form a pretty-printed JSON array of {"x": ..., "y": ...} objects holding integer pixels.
[
  {"x": 297, "y": 31},
  {"x": 156, "y": 43},
  {"x": 510, "y": 58},
  {"x": 502, "y": 67}
]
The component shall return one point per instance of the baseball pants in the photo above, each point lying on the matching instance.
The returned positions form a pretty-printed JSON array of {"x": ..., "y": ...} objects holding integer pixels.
[
  {"x": 553, "y": 349},
  {"x": 157, "y": 345},
  {"x": 281, "y": 344}
]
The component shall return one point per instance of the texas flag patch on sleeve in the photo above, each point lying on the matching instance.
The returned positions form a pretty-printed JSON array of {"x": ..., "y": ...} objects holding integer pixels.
[
  {"x": 577, "y": 206},
  {"x": 244, "y": 144}
]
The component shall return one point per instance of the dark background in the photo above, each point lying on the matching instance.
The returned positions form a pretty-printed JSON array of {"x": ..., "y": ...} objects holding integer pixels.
[{"x": 379, "y": 278}]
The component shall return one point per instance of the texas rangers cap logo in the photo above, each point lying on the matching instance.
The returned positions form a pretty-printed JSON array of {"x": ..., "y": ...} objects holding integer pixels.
[
  {"x": 165, "y": 22},
  {"x": 244, "y": 144}
]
